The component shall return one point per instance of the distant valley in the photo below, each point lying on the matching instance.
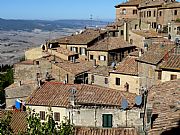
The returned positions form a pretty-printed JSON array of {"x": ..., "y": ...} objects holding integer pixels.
[{"x": 16, "y": 36}]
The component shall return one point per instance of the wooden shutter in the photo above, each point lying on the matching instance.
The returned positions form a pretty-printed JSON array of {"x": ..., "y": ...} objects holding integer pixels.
[
  {"x": 42, "y": 115},
  {"x": 57, "y": 116}
]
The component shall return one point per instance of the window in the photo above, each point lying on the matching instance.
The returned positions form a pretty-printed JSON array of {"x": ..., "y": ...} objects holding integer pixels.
[
  {"x": 107, "y": 120},
  {"x": 122, "y": 32},
  {"x": 57, "y": 116},
  {"x": 37, "y": 62},
  {"x": 102, "y": 58},
  {"x": 148, "y": 13},
  {"x": 124, "y": 11},
  {"x": 175, "y": 12},
  {"x": 144, "y": 14},
  {"x": 134, "y": 11},
  {"x": 159, "y": 75},
  {"x": 117, "y": 81},
  {"x": 154, "y": 13},
  {"x": 74, "y": 49},
  {"x": 106, "y": 80},
  {"x": 82, "y": 51},
  {"x": 160, "y": 13},
  {"x": 42, "y": 115},
  {"x": 141, "y": 115},
  {"x": 91, "y": 57},
  {"x": 173, "y": 77},
  {"x": 92, "y": 78}
]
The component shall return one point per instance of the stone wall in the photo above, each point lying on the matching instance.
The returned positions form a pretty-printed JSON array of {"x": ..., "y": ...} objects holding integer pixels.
[
  {"x": 137, "y": 40},
  {"x": 98, "y": 80},
  {"x": 133, "y": 81},
  {"x": 166, "y": 75}
]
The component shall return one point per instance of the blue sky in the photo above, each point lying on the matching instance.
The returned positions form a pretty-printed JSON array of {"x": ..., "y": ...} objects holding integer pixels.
[{"x": 58, "y": 9}]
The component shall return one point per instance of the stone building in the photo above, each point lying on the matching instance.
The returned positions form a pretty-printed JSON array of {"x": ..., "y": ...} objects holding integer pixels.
[
  {"x": 125, "y": 76},
  {"x": 128, "y": 10},
  {"x": 101, "y": 105},
  {"x": 79, "y": 42},
  {"x": 99, "y": 76},
  {"x": 170, "y": 68},
  {"x": 109, "y": 50},
  {"x": 139, "y": 37},
  {"x": 149, "y": 62}
]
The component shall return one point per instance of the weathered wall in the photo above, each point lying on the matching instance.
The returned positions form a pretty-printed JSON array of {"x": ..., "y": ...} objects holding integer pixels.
[
  {"x": 96, "y": 55},
  {"x": 129, "y": 12},
  {"x": 133, "y": 81},
  {"x": 137, "y": 39},
  {"x": 98, "y": 80},
  {"x": 166, "y": 75},
  {"x": 147, "y": 74},
  {"x": 34, "y": 53},
  {"x": 93, "y": 118},
  {"x": 63, "y": 112}
]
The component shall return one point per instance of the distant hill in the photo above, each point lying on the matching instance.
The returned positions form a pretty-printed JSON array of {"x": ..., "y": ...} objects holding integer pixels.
[{"x": 30, "y": 25}]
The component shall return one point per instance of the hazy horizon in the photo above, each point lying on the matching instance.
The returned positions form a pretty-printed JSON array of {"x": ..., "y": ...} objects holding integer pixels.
[{"x": 58, "y": 9}]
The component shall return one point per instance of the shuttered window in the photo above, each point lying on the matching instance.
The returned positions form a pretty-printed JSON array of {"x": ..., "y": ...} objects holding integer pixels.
[
  {"x": 42, "y": 115},
  {"x": 57, "y": 116},
  {"x": 107, "y": 120}
]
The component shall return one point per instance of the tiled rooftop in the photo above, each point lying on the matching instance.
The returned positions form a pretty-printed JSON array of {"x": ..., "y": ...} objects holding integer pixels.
[
  {"x": 85, "y": 37},
  {"x": 172, "y": 62},
  {"x": 165, "y": 99},
  {"x": 64, "y": 51},
  {"x": 101, "y": 70},
  {"x": 146, "y": 33},
  {"x": 18, "y": 122},
  {"x": 105, "y": 131},
  {"x": 26, "y": 62},
  {"x": 156, "y": 52},
  {"x": 76, "y": 68},
  {"x": 110, "y": 43},
  {"x": 151, "y": 3},
  {"x": 57, "y": 94},
  {"x": 129, "y": 3},
  {"x": 128, "y": 66}
]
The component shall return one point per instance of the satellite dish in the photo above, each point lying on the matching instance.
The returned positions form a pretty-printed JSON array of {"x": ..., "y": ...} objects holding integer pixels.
[
  {"x": 138, "y": 100},
  {"x": 124, "y": 104},
  {"x": 113, "y": 64}
]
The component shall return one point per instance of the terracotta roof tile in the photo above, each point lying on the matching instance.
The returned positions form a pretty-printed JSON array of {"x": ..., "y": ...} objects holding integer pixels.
[
  {"x": 172, "y": 62},
  {"x": 64, "y": 51},
  {"x": 128, "y": 66},
  {"x": 165, "y": 99},
  {"x": 80, "y": 66},
  {"x": 150, "y": 3},
  {"x": 18, "y": 121},
  {"x": 101, "y": 70},
  {"x": 27, "y": 62},
  {"x": 57, "y": 94},
  {"x": 83, "y": 38},
  {"x": 129, "y": 3},
  {"x": 110, "y": 43},
  {"x": 156, "y": 52},
  {"x": 146, "y": 33}
]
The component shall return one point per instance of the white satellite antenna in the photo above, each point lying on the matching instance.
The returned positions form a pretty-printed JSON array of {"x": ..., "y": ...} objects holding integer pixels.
[
  {"x": 124, "y": 104},
  {"x": 138, "y": 100}
]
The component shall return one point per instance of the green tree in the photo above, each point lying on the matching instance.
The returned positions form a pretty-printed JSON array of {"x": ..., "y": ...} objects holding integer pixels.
[
  {"x": 5, "y": 128},
  {"x": 49, "y": 127}
]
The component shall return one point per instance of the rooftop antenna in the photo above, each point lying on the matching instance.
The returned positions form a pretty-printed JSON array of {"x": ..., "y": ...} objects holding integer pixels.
[{"x": 91, "y": 18}]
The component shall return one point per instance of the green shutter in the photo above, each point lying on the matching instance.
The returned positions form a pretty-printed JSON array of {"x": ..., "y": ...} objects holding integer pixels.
[{"x": 107, "y": 120}]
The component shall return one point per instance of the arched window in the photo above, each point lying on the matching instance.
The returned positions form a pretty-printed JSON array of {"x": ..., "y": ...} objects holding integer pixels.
[{"x": 124, "y": 11}]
